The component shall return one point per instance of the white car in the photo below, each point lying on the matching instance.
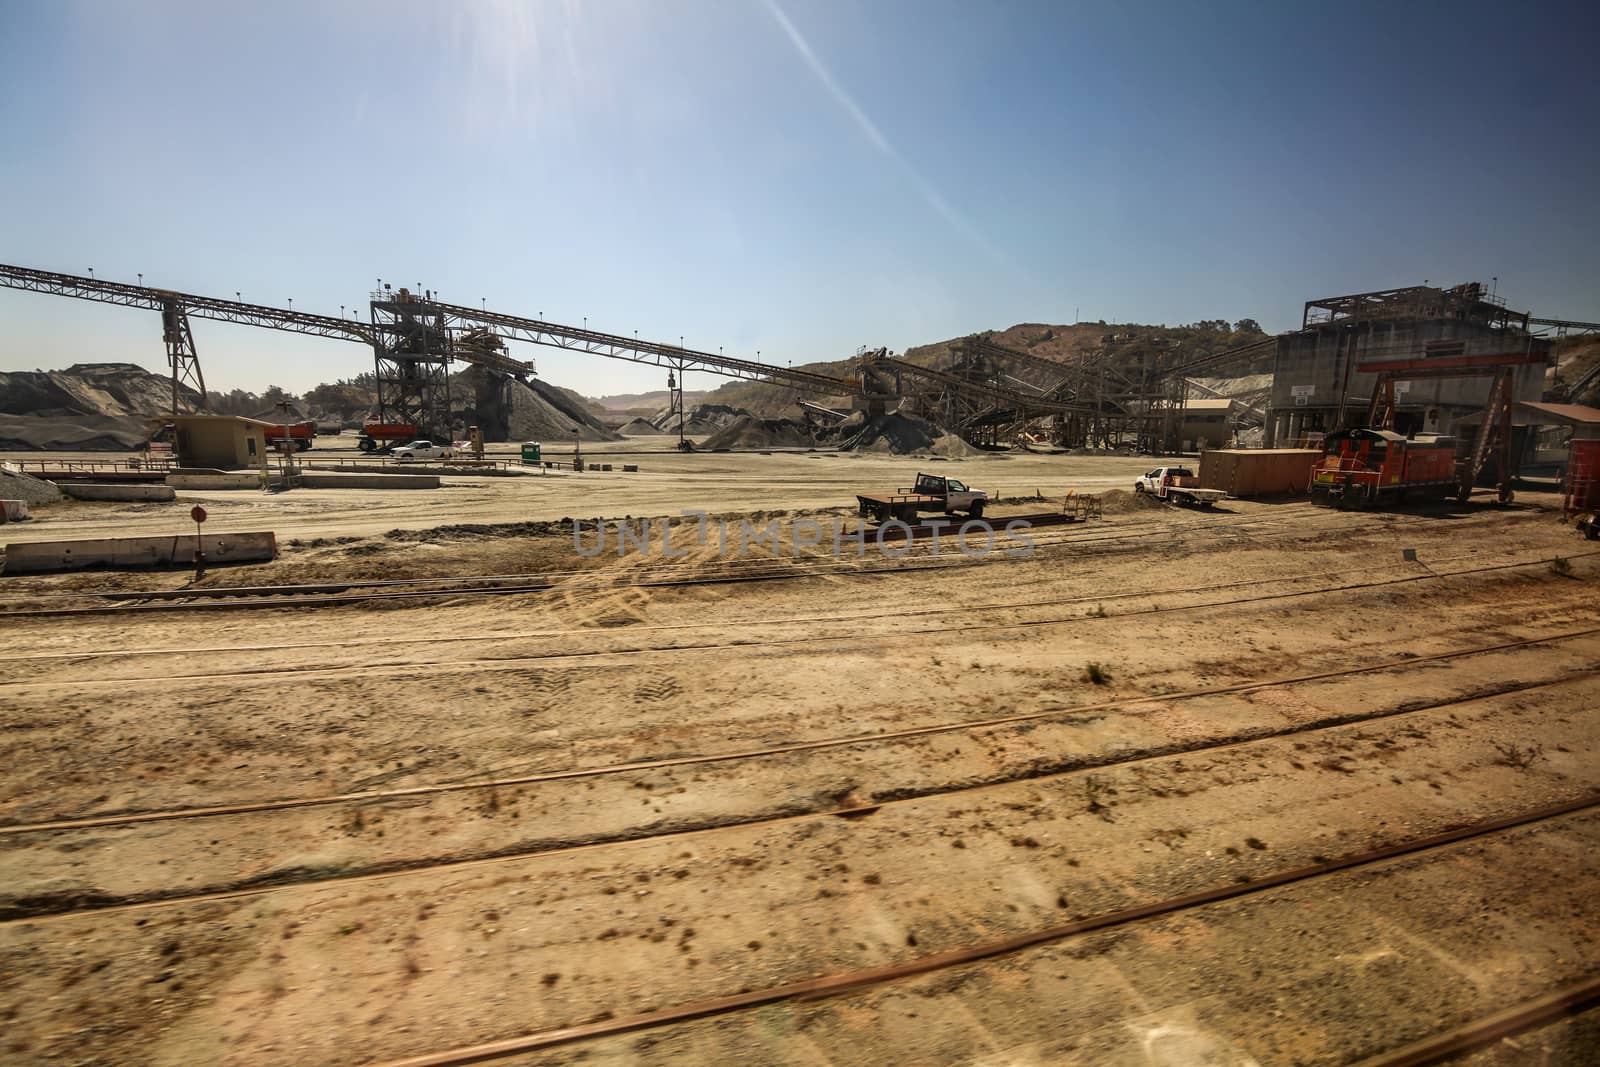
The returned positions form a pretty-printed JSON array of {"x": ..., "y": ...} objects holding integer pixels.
[{"x": 421, "y": 450}]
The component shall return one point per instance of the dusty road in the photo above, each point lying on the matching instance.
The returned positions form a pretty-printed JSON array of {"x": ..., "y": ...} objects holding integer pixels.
[
  {"x": 363, "y": 833},
  {"x": 666, "y": 483}
]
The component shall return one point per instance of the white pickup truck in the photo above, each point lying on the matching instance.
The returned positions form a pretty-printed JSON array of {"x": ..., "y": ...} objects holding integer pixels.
[
  {"x": 1177, "y": 484},
  {"x": 422, "y": 450}
]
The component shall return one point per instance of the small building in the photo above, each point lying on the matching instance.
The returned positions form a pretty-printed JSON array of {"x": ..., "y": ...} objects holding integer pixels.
[
  {"x": 1316, "y": 386},
  {"x": 1207, "y": 422},
  {"x": 222, "y": 442}
]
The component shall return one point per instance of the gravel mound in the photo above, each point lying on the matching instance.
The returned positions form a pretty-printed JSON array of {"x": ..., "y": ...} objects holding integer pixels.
[
  {"x": 640, "y": 428},
  {"x": 508, "y": 410},
  {"x": 700, "y": 419},
  {"x": 1123, "y": 501},
  {"x": 896, "y": 433},
  {"x": 73, "y": 433},
  {"x": 89, "y": 407},
  {"x": 88, "y": 389},
  {"x": 539, "y": 412},
  {"x": 954, "y": 446},
  {"x": 748, "y": 431},
  {"x": 14, "y": 485}
]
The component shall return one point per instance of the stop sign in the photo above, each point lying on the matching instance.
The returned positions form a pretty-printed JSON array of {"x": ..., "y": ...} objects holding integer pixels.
[{"x": 197, "y": 513}]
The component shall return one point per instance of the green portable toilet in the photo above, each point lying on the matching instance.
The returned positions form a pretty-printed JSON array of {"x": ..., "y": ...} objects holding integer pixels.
[{"x": 530, "y": 453}]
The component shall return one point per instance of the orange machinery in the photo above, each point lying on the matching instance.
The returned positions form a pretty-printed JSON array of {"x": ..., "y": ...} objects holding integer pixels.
[{"x": 1360, "y": 468}]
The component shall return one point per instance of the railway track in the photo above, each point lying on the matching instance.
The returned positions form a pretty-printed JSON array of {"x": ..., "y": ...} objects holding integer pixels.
[
  {"x": 852, "y": 982},
  {"x": 900, "y": 634},
  {"x": 165, "y": 862},
  {"x": 724, "y": 572},
  {"x": 1478, "y": 1033},
  {"x": 23, "y": 913},
  {"x": 832, "y": 617}
]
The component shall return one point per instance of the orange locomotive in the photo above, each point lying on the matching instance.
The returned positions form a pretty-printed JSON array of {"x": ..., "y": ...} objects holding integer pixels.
[{"x": 1360, "y": 468}]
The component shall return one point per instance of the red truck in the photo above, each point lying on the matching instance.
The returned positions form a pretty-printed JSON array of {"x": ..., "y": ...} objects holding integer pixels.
[
  {"x": 303, "y": 434},
  {"x": 376, "y": 435}
]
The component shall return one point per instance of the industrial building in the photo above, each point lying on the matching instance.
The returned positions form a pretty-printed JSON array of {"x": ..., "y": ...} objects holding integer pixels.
[
  {"x": 1207, "y": 422},
  {"x": 1318, "y": 386},
  {"x": 220, "y": 442}
]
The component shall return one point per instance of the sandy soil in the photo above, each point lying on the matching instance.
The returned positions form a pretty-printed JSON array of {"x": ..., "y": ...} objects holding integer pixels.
[
  {"x": 667, "y": 483},
  {"x": 435, "y": 823}
]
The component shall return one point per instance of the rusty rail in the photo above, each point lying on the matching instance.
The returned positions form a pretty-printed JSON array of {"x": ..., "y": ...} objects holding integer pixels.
[
  {"x": 1482, "y": 1031},
  {"x": 852, "y": 981}
]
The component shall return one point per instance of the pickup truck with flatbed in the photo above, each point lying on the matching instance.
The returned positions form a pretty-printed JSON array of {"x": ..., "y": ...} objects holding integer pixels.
[
  {"x": 1179, "y": 485},
  {"x": 932, "y": 492}
]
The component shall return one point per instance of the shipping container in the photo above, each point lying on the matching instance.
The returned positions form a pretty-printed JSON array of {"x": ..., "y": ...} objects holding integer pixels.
[
  {"x": 1248, "y": 473},
  {"x": 1583, "y": 476}
]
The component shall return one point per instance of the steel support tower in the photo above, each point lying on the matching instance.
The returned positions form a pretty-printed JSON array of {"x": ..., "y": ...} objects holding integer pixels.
[
  {"x": 181, "y": 354},
  {"x": 411, "y": 348}
]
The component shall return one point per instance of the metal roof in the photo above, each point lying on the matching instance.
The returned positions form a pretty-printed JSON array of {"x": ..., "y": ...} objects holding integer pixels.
[
  {"x": 160, "y": 419},
  {"x": 1563, "y": 414}
]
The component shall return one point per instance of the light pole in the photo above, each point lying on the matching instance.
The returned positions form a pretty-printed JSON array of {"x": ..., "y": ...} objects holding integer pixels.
[
  {"x": 91, "y": 273},
  {"x": 141, "y": 279}
]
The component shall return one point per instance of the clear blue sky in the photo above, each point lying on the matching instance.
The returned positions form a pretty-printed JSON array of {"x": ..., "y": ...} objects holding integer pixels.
[{"x": 795, "y": 176}]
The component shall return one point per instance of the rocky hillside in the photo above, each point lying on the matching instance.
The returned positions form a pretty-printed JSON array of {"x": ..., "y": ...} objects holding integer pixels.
[
  {"x": 644, "y": 403},
  {"x": 1060, "y": 344}
]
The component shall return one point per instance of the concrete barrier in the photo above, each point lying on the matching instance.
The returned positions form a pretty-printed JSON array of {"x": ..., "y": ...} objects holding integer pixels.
[
  {"x": 305, "y": 479},
  {"x": 13, "y": 510},
  {"x": 341, "y": 480},
  {"x": 126, "y": 552},
  {"x": 214, "y": 481},
  {"x": 128, "y": 491}
]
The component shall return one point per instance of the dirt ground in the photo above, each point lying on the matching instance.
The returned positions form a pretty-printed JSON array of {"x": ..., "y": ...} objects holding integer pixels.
[
  {"x": 358, "y": 833},
  {"x": 666, "y": 483}
]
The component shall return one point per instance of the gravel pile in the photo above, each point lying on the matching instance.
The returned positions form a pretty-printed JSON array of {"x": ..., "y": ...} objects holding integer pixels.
[
  {"x": 700, "y": 419},
  {"x": 73, "y": 433},
  {"x": 894, "y": 432},
  {"x": 14, "y": 485},
  {"x": 640, "y": 428},
  {"x": 748, "y": 431}
]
